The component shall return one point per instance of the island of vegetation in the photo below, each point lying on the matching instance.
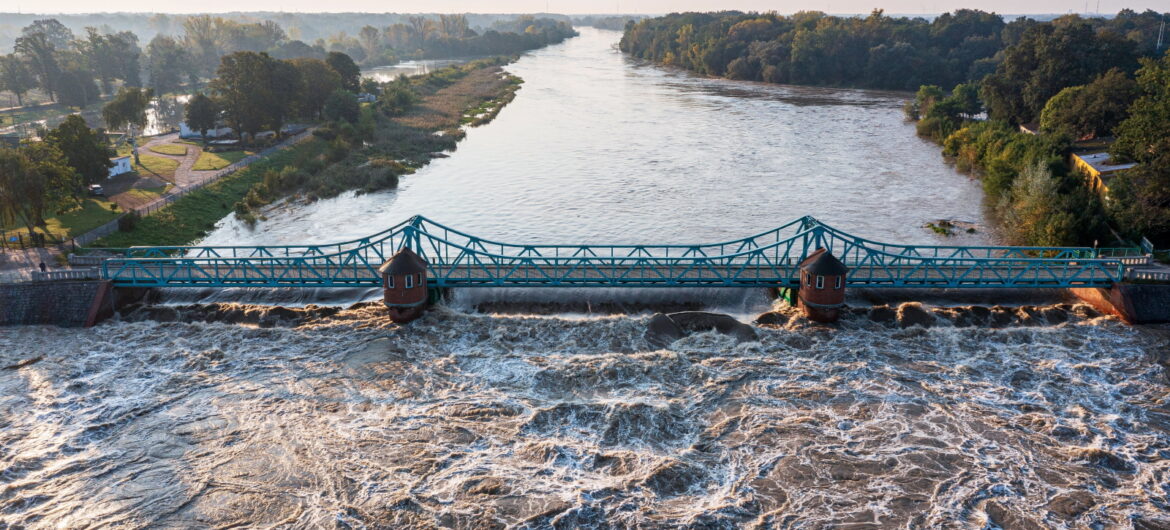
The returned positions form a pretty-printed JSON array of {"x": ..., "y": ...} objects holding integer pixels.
[{"x": 1080, "y": 83}]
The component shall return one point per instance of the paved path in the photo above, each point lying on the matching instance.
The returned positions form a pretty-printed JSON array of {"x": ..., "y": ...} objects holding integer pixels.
[
  {"x": 185, "y": 175},
  {"x": 18, "y": 265}
]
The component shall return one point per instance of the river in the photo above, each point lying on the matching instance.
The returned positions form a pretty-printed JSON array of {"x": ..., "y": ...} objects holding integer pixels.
[
  {"x": 236, "y": 415},
  {"x": 598, "y": 148}
]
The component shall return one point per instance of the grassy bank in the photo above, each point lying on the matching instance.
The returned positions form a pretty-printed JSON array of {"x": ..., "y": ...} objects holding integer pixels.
[
  {"x": 92, "y": 213},
  {"x": 194, "y": 215},
  {"x": 209, "y": 161},
  {"x": 391, "y": 139},
  {"x": 416, "y": 119}
]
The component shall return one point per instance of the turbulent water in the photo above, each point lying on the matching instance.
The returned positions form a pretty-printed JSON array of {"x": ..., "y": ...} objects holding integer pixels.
[{"x": 475, "y": 421}]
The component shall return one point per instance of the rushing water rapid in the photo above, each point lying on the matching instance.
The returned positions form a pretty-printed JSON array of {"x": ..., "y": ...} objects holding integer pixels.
[{"x": 475, "y": 421}]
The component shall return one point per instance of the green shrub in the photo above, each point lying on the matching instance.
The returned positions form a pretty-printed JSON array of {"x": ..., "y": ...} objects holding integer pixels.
[{"x": 129, "y": 221}]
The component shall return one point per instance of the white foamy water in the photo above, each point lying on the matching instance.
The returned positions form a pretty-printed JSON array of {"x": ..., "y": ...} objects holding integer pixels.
[{"x": 466, "y": 421}]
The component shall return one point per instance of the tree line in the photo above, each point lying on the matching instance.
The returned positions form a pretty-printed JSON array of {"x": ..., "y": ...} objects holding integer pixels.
[
  {"x": 255, "y": 92},
  {"x": 871, "y": 52},
  {"x": 76, "y": 71}
]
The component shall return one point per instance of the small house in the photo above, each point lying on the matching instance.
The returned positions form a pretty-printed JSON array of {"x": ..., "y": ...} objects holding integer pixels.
[
  {"x": 822, "y": 286},
  {"x": 121, "y": 166},
  {"x": 404, "y": 285},
  {"x": 366, "y": 97}
]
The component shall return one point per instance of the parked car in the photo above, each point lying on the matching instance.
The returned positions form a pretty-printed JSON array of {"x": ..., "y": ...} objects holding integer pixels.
[{"x": 96, "y": 190}]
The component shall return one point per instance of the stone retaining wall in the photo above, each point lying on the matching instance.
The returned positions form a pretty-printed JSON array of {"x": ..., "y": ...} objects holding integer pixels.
[
  {"x": 1135, "y": 303},
  {"x": 59, "y": 303}
]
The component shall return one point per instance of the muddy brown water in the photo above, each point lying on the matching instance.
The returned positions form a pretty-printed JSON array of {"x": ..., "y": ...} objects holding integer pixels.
[{"x": 338, "y": 418}]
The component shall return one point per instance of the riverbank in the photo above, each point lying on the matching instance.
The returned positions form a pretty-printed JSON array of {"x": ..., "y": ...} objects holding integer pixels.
[{"x": 340, "y": 159}]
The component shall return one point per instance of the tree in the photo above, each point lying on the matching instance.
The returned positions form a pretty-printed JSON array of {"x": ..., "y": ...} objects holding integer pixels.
[
  {"x": 41, "y": 55},
  {"x": 201, "y": 114},
  {"x": 53, "y": 30},
  {"x": 112, "y": 57},
  {"x": 128, "y": 108},
  {"x": 370, "y": 38},
  {"x": 1148, "y": 124},
  {"x": 342, "y": 105},
  {"x": 33, "y": 181},
  {"x": 16, "y": 76},
  {"x": 351, "y": 75},
  {"x": 288, "y": 90},
  {"x": 319, "y": 82},
  {"x": 1140, "y": 198},
  {"x": 85, "y": 149},
  {"x": 255, "y": 91},
  {"x": 1090, "y": 110},
  {"x": 1048, "y": 58},
  {"x": 202, "y": 35},
  {"x": 167, "y": 63},
  {"x": 77, "y": 88},
  {"x": 1030, "y": 214}
]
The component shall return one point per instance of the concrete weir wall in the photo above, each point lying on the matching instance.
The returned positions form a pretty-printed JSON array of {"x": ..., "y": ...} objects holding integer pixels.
[
  {"x": 58, "y": 303},
  {"x": 1135, "y": 303}
]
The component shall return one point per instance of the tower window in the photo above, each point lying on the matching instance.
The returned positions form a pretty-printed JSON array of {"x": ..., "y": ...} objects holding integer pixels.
[
  {"x": 837, "y": 284},
  {"x": 409, "y": 281},
  {"x": 820, "y": 282},
  {"x": 389, "y": 282}
]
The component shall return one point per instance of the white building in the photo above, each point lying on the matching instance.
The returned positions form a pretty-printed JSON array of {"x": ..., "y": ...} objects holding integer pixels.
[
  {"x": 186, "y": 133},
  {"x": 121, "y": 165}
]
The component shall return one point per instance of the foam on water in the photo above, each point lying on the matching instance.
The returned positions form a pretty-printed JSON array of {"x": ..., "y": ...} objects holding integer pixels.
[{"x": 464, "y": 420}]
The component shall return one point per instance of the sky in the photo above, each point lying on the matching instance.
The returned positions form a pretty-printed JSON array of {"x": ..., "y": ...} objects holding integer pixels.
[{"x": 584, "y": 6}]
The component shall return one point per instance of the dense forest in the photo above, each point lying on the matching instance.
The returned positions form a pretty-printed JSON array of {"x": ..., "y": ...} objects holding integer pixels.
[
  {"x": 1080, "y": 83},
  {"x": 877, "y": 51},
  {"x": 76, "y": 70}
]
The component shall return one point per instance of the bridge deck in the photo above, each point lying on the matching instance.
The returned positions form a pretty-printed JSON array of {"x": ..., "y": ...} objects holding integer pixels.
[{"x": 260, "y": 275}]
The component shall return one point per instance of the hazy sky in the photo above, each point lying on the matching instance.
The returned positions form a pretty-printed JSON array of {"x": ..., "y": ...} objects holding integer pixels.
[{"x": 583, "y": 6}]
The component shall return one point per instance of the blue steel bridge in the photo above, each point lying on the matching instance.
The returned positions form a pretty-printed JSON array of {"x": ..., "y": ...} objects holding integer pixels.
[{"x": 458, "y": 259}]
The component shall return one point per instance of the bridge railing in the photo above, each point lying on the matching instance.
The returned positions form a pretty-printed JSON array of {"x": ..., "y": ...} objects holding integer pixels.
[
  {"x": 775, "y": 264},
  {"x": 457, "y": 257}
]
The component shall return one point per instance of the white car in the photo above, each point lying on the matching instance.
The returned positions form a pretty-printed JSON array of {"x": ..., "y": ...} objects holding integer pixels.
[{"x": 96, "y": 190}]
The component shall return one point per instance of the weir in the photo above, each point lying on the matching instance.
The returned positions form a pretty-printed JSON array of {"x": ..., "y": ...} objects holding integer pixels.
[{"x": 458, "y": 259}]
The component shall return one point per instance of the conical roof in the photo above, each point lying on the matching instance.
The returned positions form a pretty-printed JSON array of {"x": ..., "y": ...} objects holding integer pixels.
[
  {"x": 823, "y": 263},
  {"x": 404, "y": 262}
]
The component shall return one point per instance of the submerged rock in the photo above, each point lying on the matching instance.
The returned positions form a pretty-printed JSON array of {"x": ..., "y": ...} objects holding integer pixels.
[
  {"x": 772, "y": 318},
  {"x": 914, "y": 314},
  {"x": 1009, "y": 519},
  {"x": 1071, "y": 504},
  {"x": 698, "y": 321},
  {"x": 661, "y": 331},
  {"x": 882, "y": 314},
  {"x": 674, "y": 477}
]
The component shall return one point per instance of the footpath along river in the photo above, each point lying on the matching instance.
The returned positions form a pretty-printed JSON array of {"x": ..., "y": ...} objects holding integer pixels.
[{"x": 218, "y": 415}]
